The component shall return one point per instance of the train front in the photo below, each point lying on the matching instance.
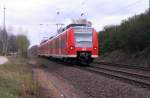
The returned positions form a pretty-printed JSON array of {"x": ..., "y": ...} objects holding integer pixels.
[{"x": 84, "y": 44}]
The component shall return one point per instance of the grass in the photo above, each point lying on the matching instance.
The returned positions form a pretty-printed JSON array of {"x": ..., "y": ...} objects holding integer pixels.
[{"x": 16, "y": 80}]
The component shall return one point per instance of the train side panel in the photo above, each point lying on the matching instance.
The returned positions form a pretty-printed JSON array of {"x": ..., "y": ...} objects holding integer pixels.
[
  {"x": 75, "y": 43},
  {"x": 95, "y": 44},
  {"x": 71, "y": 52},
  {"x": 56, "y": 47}
]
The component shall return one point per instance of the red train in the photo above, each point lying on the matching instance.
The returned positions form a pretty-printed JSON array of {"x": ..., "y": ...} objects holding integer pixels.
[{"x": 76, "y": 43}]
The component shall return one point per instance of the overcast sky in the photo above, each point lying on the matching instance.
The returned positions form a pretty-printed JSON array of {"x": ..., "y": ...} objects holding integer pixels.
[{"x": 24, "y": 16}]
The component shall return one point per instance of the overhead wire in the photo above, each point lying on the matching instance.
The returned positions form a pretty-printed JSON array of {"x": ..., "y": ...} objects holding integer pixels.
[
  {"x": 84, "y": 10},
  {"x": 81, "y": 7},
  {"x": 126, "y": 7}
]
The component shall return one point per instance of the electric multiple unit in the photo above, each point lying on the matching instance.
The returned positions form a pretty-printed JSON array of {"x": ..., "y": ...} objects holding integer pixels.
[{"x": 75, "y": 43}]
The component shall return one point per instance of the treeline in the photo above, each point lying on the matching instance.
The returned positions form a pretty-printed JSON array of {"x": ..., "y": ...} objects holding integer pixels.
[
  {"x": 13, "y": 44},
  {"x": 131, "y": 36}
]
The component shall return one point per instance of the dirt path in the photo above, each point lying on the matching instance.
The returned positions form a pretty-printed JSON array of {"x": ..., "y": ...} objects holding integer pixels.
[
  {"x": 54, "y": 86},
  {"x": 3, "y": 60}
]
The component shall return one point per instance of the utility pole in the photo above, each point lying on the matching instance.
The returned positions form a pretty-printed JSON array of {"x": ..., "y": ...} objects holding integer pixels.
[
  {"x": 149, "y": 4},
  {"x": 4, "y": 24},
  {"x": 5, "y": 42},
  {"x": 59, "y": 26},
  {"x": 149, "y": 7}
]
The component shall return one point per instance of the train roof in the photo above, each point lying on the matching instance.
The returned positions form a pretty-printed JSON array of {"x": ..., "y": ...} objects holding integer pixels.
[
  {"x": 63, "y": 29},
  {"x": 70, "y": 25},
  {"x": 74, "y": 25}
]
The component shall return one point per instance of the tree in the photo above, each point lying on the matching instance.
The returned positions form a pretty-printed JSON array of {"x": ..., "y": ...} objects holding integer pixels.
[
  {"x": 23, "y": 44},
  {"x": 132, "y": 35}
]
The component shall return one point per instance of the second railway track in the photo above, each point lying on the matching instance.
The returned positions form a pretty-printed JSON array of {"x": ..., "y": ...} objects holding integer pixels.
[{"x": 138, "y": 77}]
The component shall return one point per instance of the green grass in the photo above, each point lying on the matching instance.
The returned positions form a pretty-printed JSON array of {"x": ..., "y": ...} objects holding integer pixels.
[{"x": 16, "y": 80}]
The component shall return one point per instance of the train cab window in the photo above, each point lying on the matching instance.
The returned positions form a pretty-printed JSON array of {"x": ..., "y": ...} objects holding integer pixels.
[{"x": 83, "y": 37}]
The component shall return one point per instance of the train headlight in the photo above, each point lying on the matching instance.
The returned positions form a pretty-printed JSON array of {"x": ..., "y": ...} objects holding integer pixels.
[
  {"x": 71, "y": 47},
  {"x": 95, "y": 48}
]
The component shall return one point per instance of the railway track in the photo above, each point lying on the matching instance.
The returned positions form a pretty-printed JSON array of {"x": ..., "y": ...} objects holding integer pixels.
[
  {"x": 132, "y": 75},
  {"x": 124, "y": 65}
]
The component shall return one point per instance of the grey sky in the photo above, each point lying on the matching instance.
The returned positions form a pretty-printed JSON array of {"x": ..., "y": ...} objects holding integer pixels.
[{"x": 26, "y": 15}]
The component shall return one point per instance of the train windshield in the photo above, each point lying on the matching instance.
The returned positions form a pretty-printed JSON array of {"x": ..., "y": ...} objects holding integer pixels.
[{"x": 83, "y": 37}]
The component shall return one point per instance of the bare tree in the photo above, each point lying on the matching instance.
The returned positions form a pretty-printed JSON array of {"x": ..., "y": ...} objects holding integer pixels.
[
  {"x": 12, "y": 44},
  {"x": 3, "y": 41}
]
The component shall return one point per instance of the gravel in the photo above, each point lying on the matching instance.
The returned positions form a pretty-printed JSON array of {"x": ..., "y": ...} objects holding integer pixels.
[{"x": 93, "y": 85}]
